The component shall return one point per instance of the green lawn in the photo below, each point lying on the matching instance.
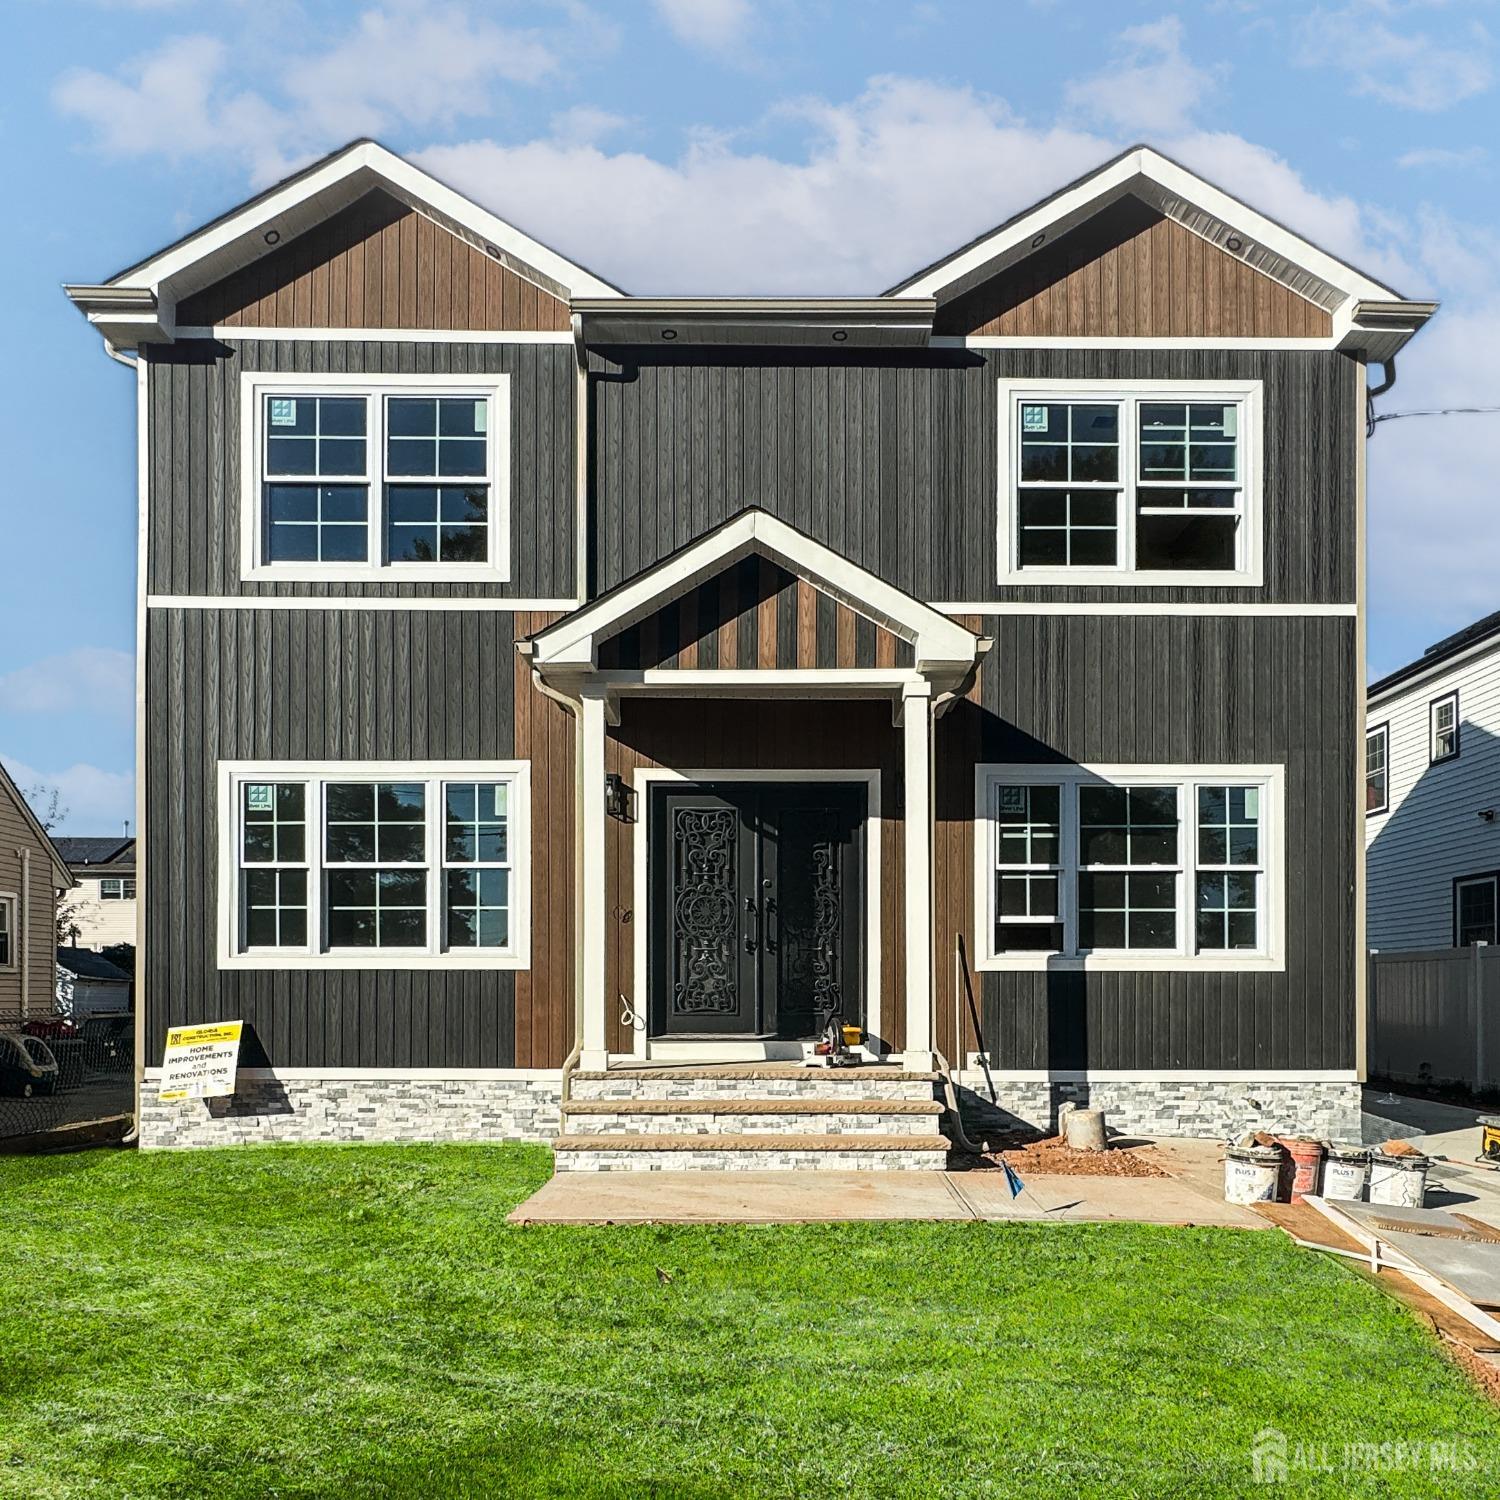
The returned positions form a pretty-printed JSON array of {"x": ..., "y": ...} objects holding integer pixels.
[{"x": 361, "y": 1321}]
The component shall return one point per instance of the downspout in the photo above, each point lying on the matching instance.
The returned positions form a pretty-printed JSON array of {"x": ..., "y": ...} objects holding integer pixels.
[
  {"x": 581, "y": 461},
  {"x": 25, "y": 925},
  {"x": 1371, "y": 392},
  {"x": 573, "y": 706}
]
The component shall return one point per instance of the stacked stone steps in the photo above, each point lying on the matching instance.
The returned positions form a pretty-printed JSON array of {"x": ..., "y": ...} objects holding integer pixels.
[{"x": 747, "y": 1118}]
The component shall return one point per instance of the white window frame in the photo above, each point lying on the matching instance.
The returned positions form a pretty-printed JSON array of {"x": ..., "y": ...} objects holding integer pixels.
[
  {"x": 10, "y": 904},
  {"x": 120, "y": 880},
  {"x": 1447, "y": 700},
  {"x": 315, "y": 775},
  {"x": 1270, "y": 780},
  {"x": 1493, "y": 882},
  {"x": 1382, "y": 732},
  {"x": 1249, "y": 535},
  {"x": 257, "y": 385}
]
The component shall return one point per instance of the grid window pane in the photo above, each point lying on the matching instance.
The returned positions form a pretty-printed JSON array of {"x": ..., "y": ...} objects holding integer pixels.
[
  {"x": 478, "y": 908},
  {"x": 377, "y": 908},
  {"x": 1227, "y": 898},
  {"x": 1375, "y": 770},
  {"x": 476, "y": 844},
  {"x": 273, "y": 822},
  {"x": 5, "y": 925},
  {"x": 315, "y": 436},
  {"x": 1125, "y": 910},
  {"x": 275, "y": 908},
  {"x": 1072, "y": 443},
  {"x": 317, "y": 523},
  {"x": 1127, "y": 825},
  {"x": 1067, "y": 528},
  {"x": 437, "y": 438},
  {"x": 1476, "y": 912},
  {"x": 437, "y": 523},
  {"x": 1188, "y": 464},
  {"x": 375, "y": 822},
  {"x": 1184, "y": 441},
  {"x": 1443, "y": 716}
]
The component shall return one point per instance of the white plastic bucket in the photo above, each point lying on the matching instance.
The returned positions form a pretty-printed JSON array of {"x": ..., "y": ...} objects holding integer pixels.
[
  {"x": 1345, "y": 1173},
  {"x": 1251, "y": 1173},
  {"x": 1398, "y": 1180}
]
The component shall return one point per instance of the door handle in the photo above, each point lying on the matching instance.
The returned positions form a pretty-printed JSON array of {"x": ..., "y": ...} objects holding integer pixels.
[
  {"x": 772, "y": 915},
  {"x": 752, "y": 935}
]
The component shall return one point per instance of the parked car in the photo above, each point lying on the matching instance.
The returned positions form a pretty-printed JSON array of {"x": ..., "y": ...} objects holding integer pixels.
[{"x": 27, "y": 1066}]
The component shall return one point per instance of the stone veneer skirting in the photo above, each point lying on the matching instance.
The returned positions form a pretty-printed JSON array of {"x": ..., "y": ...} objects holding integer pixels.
[
  {"x": 265, "y": 1107},
  {"x": 271, "y": 1108},
  {"x": 1218, "y": 1109}
]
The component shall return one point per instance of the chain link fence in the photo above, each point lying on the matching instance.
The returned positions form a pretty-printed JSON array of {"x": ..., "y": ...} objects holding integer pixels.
[{"x": 57, "y": 1075}]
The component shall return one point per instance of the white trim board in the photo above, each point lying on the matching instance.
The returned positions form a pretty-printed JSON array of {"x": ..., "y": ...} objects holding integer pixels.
[
  {"x": 1069, "y": 341},
  {"x": 1162, "y": 1075},
  {"x": 643, "y": 780},
  {"x": 410, "y": 1075},
  {"x": 229, "y": 333},
  {"x": 1150, "y": 607},
  {"x": 496, "y": 604}
]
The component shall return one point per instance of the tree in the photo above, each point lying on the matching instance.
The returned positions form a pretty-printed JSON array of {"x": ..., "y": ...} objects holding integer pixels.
[{"x": 46, "y": 803}]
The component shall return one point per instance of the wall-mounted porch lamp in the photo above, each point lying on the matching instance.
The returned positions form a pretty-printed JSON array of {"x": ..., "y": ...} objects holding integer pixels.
[{"x": 617, "y": 797}]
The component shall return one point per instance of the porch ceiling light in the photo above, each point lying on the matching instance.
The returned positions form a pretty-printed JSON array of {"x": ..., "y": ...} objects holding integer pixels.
[{"x": 669, "y": 333}]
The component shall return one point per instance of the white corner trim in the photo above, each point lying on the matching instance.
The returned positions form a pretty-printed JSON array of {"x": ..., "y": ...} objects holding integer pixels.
[
  {"x": 1270, "y": 957},
  {"x": 492, "y": 604},
  {"x": 230, "y": 333},
  {"x": 230, "y": 774},
  {"x": 643, "y": 779},
  {"x": 1249, "y": 395},
  {"x": 256, "y": 385},
  {"x": 1149, "y": 607},
  {"x": 1069, "y": 341}
]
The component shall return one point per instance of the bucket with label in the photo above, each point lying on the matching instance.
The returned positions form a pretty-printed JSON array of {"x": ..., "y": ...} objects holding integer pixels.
[
  {"x": 1251, "y": 1173},
  {"x": 1303, "y": 1171},
  {"x": 1345, "y": 1172},
  {"x": 1398, "y": 1180}
]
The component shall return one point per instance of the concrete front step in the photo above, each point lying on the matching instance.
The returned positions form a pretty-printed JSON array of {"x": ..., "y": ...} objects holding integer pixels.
[
  {"x": 759, "y": 1081},
  {"x": 715, "y": 1117},
  {"x": 749, "y": 1153}
]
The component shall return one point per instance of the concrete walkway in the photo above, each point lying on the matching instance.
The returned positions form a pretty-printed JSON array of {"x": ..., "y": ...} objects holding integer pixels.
[{"x": 834, "y": 1197}]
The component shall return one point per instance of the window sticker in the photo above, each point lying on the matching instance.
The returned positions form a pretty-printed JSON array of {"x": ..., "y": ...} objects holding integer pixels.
[
  {"x": 1033, "y": 419},
  {"x": 1252, "y": 804},
  {"x": 1011, "y": 800},
  {"x": 283, "y": 411},
  {"x": 1231, "y": 421},
  {"x": 481, "y": 416},
  {"x": 258, "y": 797}
]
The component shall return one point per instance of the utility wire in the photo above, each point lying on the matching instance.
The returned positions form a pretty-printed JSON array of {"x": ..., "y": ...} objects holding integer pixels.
[{"x": 1435, "y": 411}]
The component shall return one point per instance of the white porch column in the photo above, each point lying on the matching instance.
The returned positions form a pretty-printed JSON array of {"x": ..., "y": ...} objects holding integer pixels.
[
  {"x": 593, "y": 917},
  {"x": 916, "y": 734}
]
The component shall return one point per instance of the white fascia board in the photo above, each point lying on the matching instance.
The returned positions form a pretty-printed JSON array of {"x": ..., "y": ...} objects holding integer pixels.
[
  {"x": 375, "y": 163},
  {"x": 572, "y": 642},
  {"x": 1095, "y": 192}
]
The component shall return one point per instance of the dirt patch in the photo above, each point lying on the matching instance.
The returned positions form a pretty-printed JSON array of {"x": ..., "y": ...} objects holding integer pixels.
[{"x": 1051, "y": 1157}]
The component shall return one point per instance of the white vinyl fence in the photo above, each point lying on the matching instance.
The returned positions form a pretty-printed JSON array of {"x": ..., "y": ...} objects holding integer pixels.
[{"x": 1435, "y": 1016}]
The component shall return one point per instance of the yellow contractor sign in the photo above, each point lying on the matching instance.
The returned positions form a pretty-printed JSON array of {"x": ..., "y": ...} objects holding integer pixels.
[{"x": 200, "y": 1061}]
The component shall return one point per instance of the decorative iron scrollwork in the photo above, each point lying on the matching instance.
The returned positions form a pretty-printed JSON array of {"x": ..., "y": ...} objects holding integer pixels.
[{"x": 704, "y": 917}]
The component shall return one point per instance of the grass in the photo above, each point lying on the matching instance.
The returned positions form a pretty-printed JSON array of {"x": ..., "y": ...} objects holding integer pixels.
[{"x": 361, "y": 1321}]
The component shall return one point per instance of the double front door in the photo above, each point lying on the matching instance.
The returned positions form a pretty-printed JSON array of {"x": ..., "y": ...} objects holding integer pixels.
[{"x": 756, "y": 908}]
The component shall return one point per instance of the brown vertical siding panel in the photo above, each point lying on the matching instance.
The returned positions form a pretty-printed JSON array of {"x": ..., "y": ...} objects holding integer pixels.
[
  {"x": 765, "y": 623},
  {"x": 427, "y": 273},
  {"x": 807, "y": 624},
  {"x": 688, "y": 629},
  {"x": 843, "y": 635}
]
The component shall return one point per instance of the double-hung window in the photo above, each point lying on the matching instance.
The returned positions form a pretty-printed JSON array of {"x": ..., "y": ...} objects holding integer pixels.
[
  {"x": 366, "y": 865},
  {"x": 375, "y": 476},
  {"x": 117, "y": 888},
  {"x": 1130, "y": 866},
  {"x": 1442, "y": 728},
  {"x": 1377, "y": 769},
  {"x": 1153, "y": 482},
  {"x": 1474, "y": 910},
  {"x": 7, "y": 932}
]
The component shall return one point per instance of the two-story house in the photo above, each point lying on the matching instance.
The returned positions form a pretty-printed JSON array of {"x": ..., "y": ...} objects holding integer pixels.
[
  {"x": 549, "y": 693},
  {"x": 1432, "y": 796},
  {"x": 101, "y": 905}
]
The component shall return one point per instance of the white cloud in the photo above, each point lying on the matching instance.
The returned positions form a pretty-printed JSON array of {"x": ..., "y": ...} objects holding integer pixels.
[
  {"x": 1410, "y": 69},
  {"x": 408, "y": 63},
  {"x": 1441, "y": 158},
  {"x": 712, "y": 25},
  {"x": 94, "y": 800},
  {"x": 89, "y": 679},
  {"x": 1150, "y": 86}
]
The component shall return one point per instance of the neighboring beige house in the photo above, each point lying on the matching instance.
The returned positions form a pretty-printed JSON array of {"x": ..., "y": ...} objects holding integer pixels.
[
  {"x": 101, "y": 905},
  {"x": 32, "y": 877}
]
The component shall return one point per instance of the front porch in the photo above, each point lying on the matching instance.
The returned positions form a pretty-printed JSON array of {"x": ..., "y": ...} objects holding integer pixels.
[{"x": 755, "y": 802}]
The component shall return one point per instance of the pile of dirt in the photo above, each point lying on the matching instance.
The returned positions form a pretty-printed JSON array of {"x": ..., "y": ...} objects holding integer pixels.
[{"x": 1053, "y": 1158}]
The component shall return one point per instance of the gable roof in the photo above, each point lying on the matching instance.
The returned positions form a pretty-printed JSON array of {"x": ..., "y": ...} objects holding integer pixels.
[
  {"x": 95, "y": 851},
  {"x": 138, "y": 304},
  {"x": 1369, "y": 313},
  {"x": 1476, "y": 639},
  {"x": 942, "y": 647},
  {"x": 8, "y": 788}
]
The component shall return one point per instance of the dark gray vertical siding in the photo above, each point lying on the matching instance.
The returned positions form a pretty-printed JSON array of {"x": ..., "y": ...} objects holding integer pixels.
[
  {"x": 1173, "y": 689},
  {"x": 891, "y": 459},
  {"x": 195, "y": 483},
  {"x": 294, "y": 684}
]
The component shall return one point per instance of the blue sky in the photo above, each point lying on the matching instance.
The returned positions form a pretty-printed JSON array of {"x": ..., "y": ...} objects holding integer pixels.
[{"x": 716, "y": 145}]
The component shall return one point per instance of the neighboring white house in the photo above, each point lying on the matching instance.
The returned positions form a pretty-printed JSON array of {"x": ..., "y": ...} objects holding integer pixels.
[
  {"x": 89, "y": 985},
  {"x": 1432, "y": 796},
  {"x": 101, "y": 906}
]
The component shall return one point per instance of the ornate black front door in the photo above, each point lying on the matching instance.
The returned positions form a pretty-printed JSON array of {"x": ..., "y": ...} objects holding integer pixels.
[{"x": 756, "y": 908}]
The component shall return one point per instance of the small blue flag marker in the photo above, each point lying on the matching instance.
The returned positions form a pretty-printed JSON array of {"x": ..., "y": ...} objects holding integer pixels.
[{"x": 1013, "y": 1179}]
